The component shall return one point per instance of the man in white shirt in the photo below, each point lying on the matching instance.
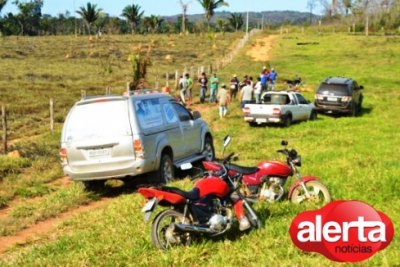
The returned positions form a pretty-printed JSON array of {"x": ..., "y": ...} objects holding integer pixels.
[{"x": 246, "y": 94}]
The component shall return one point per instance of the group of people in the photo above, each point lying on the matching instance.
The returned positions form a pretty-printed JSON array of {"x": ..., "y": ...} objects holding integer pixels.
[{"x": 245, "y": 90}]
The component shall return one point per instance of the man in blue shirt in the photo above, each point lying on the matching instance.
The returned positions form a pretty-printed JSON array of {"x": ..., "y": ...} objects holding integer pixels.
[{"x": 273, "y": 75}]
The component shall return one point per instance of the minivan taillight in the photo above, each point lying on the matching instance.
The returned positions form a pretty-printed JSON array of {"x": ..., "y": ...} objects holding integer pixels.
[
  {"x": 138, "y": 147},
  {"x": 63, "y": 156}
]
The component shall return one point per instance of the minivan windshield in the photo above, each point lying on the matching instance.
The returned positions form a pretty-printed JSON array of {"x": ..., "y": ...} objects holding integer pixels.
[
  {"x": 336, "y": 89},
  {"x": 105, "y": 118}
]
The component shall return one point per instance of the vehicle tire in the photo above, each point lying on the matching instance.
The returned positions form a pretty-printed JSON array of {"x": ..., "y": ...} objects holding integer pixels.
[
  {"x": 166, "y": 170},
  {"x": 93, "y": 185},
  {"x": 163, "y": 233},
  {"x": 209, "y": 152},
  {"x": 353, "y": 110},
  {"x": 313, "y": 115},
  {"x": 319, "y": 194},
  {"x": 288, "y": 120}
]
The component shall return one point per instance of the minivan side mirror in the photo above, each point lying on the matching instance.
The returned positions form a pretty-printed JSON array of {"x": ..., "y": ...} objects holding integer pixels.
[
  {"x": 361, "y": 87},
  {"x": 196, "y": 115}
]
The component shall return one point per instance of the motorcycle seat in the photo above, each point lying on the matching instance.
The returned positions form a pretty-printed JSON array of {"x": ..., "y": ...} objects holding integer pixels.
[
  {"x": 192, "y": 194},
  {"x": 241, "y": 169}
]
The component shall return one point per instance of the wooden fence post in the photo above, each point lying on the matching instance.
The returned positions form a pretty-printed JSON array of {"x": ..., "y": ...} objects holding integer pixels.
[
  {"x": 51, "y": 115},
  {"x": 4, "y": 123},
  {"x": 127, "y": 88},
  {"x": 167, "y": 79}
]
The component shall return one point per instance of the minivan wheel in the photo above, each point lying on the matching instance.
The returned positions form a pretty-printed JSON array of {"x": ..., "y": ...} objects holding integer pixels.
[
  {"x": 93, "y": 185},
  {"x": 208, "y": 152},
  {"x": 166, "y": 170}
]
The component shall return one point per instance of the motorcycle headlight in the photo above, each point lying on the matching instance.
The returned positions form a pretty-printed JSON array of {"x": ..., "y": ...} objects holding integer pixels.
[{"x": 297, "y": 161}]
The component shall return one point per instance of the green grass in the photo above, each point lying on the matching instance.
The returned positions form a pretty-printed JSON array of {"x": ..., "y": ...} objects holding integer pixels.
[{"x": 355, "y": 157}]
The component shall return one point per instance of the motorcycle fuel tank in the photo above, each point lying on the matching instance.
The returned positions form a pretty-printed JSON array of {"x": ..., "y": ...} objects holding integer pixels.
[
  {"x": 212, "y": 186},
  {"x": 274, "y": 168}
]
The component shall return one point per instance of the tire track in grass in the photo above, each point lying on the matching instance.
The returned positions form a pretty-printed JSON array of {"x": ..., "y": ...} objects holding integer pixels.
[{"x": 36, "y": 232}]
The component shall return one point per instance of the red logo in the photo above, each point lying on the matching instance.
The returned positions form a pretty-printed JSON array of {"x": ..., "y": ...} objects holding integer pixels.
[{"x": 343, "y": 231}]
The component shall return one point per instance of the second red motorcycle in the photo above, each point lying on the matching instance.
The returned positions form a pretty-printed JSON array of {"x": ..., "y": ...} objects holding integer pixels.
[{"x": 266, "y": 181}]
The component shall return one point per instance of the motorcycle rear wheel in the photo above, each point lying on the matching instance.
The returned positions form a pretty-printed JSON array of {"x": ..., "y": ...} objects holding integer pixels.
[
  {"x": 163, "y": 232},
  {"x": 319, "y": 194}
]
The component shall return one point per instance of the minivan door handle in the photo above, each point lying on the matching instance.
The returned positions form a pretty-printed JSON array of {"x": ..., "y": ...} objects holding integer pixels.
[{"x": 98, "y": 146}]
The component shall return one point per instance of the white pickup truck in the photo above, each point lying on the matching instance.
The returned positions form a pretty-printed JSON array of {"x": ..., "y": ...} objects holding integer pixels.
[{"x": 282, "y": 107}]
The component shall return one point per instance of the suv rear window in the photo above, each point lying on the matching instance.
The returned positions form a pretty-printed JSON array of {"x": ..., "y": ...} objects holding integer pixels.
[
  {"x": 105, "y": 118},
  {"x": 337, "y": 89}
]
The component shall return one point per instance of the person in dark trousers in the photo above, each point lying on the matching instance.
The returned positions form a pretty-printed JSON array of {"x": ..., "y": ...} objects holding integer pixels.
[
  {"x": 234, "y": 87},
  {"x": 203, "y": 81}
]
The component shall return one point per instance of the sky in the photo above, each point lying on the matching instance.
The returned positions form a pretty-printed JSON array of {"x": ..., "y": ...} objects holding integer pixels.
[{"x": 163, "y": 7}]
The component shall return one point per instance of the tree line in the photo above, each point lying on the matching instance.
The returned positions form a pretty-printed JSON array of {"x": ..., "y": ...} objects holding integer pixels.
[
  {"x": 380, "y": 13},
  {"x": 90, "y": 19}
]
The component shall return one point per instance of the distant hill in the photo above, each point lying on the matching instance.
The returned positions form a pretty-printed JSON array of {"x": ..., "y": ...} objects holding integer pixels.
[{"x": 270, "y": 17}]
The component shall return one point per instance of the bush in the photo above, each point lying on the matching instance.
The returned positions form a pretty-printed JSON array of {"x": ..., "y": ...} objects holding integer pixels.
[{"x": 12, "y": 165}]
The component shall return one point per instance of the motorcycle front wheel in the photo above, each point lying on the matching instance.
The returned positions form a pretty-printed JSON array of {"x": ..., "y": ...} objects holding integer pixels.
[
  {"x": 319, "y": 194},
  {"x": 163, "y": 232}
]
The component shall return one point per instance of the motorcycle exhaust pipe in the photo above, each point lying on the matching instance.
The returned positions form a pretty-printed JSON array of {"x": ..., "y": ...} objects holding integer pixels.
[{"x": 192, "y": 228}]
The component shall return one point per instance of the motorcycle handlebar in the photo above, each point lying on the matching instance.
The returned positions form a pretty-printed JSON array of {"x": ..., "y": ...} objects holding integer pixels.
[{"x": 227, "y": 158}]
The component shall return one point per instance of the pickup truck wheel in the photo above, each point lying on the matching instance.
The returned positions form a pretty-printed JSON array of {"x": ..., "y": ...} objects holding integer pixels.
[
  {"x": 166, "y": 171},
  {"x": 209, "y": 153},
  {"x": 313, "y": 115},
  {"x": 288, "y": 120}
]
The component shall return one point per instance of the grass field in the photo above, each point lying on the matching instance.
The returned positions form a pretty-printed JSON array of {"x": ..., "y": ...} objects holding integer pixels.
[{"x": 355, "y": 157}]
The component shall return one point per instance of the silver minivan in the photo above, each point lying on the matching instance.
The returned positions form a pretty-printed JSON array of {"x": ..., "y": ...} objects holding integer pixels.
[{"x": 120, "y": 136}]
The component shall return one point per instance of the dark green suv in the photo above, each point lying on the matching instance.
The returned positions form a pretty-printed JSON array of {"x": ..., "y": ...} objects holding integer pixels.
[{"x": 339, "y": 95}]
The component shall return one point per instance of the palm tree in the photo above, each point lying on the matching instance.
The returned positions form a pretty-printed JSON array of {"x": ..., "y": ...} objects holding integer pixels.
[
  {"x": 90, "y": 14},
  {"x": 221, "y": 23},
  {"x": 153, "y": 23},
  {"x": 209, "y": 6},
  {"x": 236, "y": 21},
  {"x": 133, "y": 15}
]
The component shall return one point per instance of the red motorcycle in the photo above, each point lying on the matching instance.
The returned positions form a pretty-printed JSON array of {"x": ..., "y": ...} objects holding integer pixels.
[
  {"x": 206, "y": 209},
  {"x": 265, "y": 182}
]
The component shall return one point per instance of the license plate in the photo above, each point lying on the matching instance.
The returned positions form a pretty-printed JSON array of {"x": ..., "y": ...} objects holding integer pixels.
[
  {"x": 100, "y": 153},
  {"x": 332, "y": 99},
  {"x": 261, "y": 120},
  {"x": 148, "y": 208}
]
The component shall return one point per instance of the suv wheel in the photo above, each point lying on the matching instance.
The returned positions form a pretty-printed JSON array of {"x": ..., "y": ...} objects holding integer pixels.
[
  {"x": 353, "y": 110},
  {"x": 208, "y": 152},
  {"x": 166, "y": 171}
]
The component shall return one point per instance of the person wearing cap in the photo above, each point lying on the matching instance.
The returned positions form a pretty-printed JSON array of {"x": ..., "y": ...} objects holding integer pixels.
[
  {"x": 223, "y": 98},
  {"x": 234, "y": 87}
]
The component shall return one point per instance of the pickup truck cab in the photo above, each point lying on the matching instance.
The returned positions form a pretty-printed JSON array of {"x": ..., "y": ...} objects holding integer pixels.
[{"x": 283, "y": 107}]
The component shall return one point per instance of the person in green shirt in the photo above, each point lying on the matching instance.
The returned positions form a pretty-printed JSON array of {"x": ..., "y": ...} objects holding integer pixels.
[
  {"x": 214, "y": 80},
  {"x": 189, "y": 89}
]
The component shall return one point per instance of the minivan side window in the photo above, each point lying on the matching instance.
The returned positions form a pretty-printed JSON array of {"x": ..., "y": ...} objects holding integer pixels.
[
  {"x": 148, "y": 112},
  {"x": 170, "y": 114},
  {"x": 183, "y": 113}
]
